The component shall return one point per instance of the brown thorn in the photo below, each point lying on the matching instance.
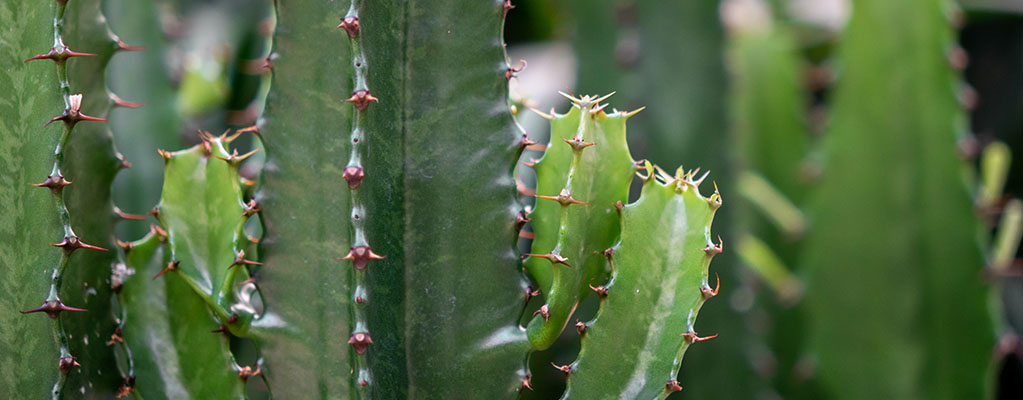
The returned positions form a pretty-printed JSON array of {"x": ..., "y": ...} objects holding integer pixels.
[
  {"x": 360, "y": 341},
  {"x": 581, "y": 328},
  {"x": 53, "y": 308},
  {"x": 565, "y": 198},
  {"x": 239, "y": 259},
  {"x": 527, "y": 383},
  {"x": 171, "y": 266},
  {"x": 601, "y": 290},
  {"x": 361, "y": 98},
  {"x": 126, "y": 388},
  {"x": 567, "y": 368},
  {"x": 55, "y": 183},
  {"x": 707, "y": 292},
  {"x": 361, "y": 255},
  {"x": 66, "y": 363},
  {"x": 351, "y": 25},
  {"x": 552, "y": 257},
  {"x": 247, "y": 372},
  {"x": 116, "y": 337},
  {"x": 158, "y": 231},
  {"x": 544, "y": 312},
  {"x": 691, "y": 337},
  {"x": 72, "y": 243}
]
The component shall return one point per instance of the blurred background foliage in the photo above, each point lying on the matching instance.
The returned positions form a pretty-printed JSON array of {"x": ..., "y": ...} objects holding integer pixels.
[{"x": 756, "y": 105}]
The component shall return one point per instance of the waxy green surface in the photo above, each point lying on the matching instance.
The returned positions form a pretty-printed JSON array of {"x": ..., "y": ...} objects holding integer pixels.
[
  {"x": 898, "y": 307},
  {"x": 30, "y": 223},
  {"x": 597, "y": 174},
  {"x": 660, "y": 273},
  {"x": 439, "y": 204},
  {"x": 167, "y": 329}
]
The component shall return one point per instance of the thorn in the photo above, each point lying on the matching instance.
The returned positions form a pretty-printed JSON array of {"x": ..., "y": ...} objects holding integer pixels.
[
  {"x": 552, "y": 257},
  {"x": 66, "y": 363},
  {"x": 171, "y": 266},
  {"x": 159, "y": 232},
  {"x": 165, "y": 154},
  {"x": 527, "y": 383},
  {"x": 124, "y": 215},
  {"x": 239, "y": 259},
  {"x": 581, "y": 328},
  {"x": 361, "y": 255},
  {"x": 251, "y": 207},
  {"x": 72, "y": 243},
  {"x": 507, "y": 7},
  {"x": 363, "y": 383},
  {"x": 246, "y": 372},
  {"x": 126, "y": 246},
  {"x": 121, "y": 46},
  {"x": 577, "y": 143},
  {"x": 691, "y": 337},
  {"x": 619, "y": 205},
  {"x": 126, "y": 388},
  {"x": 525, "y": 142},
  {"x": 530, "y": 293},
  {"x": 118, "y": 102},
  {"x": 714, "y": 249},
  {"x": 72, "y": 115},
  {"x": 252, "y": 280},
  {"x": 567, "y": 368},
  {"x": 601, "y": 290},
  {"x": 353, "y": 175},
  {"x": 634, "y": 112},
  {"x": 696, "y": 183},
  {"x": 604, "y": 97},
  {"x": 360, "y": 341},
  {"x": 570, "y": 97},
  {"x": 511, "y": 71},
  {"x": 351, "y": 25},
  {"x": 707, "y": 292},
  {"x": 597, "y": 109},
  {"x": 234, "y": 158},
  {"x": 544, "y": 312},
  {"x": 565, "y": 198},
  {"x": 714, "y": 201},
  {"x": 222, "y": 329},
  {"x": 116, "y": 337},
  {"x": 361, "y": 99},
  {"x": 55, "y": 183},
  {"x": 53, "y": 308},
  {"x": 59, "y": 56},
  {"x": 546, "y": 116},
  {"x": 520, "y": 220},
  {"x": 608, "y": 253},
  {"x": 155, "y": 212},
  {"x": 672, "y": 386}
]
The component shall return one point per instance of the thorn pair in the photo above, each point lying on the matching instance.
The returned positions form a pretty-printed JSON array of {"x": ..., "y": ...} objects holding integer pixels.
[
  {"x": 351, "y": 25},
  {"x": 72, "y": 243},
  {"x": 73, "y": 114},
  {"x": 554, "y": 258},
  {"x": 361, "y": 255},
  {"x": 361, "y": 98},
  {"x": 56, "y": 183},
  {"x": 565, "y": 198},
  {"x": 577, "y": 143},
  {"x": 353, "y": 175},
  {"x": 239, "y": 259},
  {"x": 601, "y": 290},
  {"x": 234, "y": 158},
  {"x": 59, "y": 56},
  {"x": 360, "y": 341},
  {"x": 53, "y": 308},
  {"x": 66, "y": 363}
]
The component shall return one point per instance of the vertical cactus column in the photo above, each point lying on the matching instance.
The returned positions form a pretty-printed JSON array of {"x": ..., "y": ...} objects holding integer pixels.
[
  {"x": 403, "y": 151},
  {"x": 893, "y": 262}
]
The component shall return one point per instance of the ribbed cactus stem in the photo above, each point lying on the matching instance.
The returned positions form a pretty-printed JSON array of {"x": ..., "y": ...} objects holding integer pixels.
[
  {"x": 56, "y": 182},
  {"x": 360, "y": 252}
]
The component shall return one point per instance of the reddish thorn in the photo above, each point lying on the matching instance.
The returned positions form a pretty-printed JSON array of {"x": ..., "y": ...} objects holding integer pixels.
[
  {"x": 239, "y": 259},
  {"x": 117, "y": 101},
  {"x": 351, "y": 25},
  {"x": 222, "y": 329},
  {"x": 672, "y": 386},
  {"x": 520, "y": 219},
  {"x": 565, "y": 198},
  {"x": 251, "y": 207},
  {"x": 544, "y": 312},
  {"x": 72, "y": 243},
  {"x": 124, "y": 215},
  {"x": 531, "y": 163},
  {"x": 361, "y": 99},
  {"x": 252, "y": 279},
  {"x": 353, "y": 175},
  {"x": 158, "y": 231},
  {"x": 707, "y": 292},
  {"x": 567, "y": 368},
  {"x": 601, "y": 290},
  {"x": 360, "y": 341},
  {"x": 234, "y": 158},
  {"x": 578, "y": 144},
  {"x": 73, "y": 114},
  {"x": 116, "y": 337},
  {"x": 247, "y": 372},
  {"x": 691, "y": 337},
  {"x": 171, "y": 266},
  {"x": 55, "y": 183},
  {"x": 125, "y": 47},
  {"x": 66, "y": 363},
  {"x": 714, "y": 249},
  {"x": 59, "y": 57},
  {"x": 507, "y": 7},
  {"x": 527, "y": 383},
  {"x": 361, "y": 255},
  {"x": 581, "y": 328},
  {"x": 530, "y": 293},
  {"x": 525, "y": 142},
  {"x": 553, "y": 258},
  {"x": 53, "y": 308}
]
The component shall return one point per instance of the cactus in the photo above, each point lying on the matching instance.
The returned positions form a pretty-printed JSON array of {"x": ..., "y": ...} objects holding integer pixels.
[
  {"x": 649, "y": 308},
  {"x": 577, "y": 192}
]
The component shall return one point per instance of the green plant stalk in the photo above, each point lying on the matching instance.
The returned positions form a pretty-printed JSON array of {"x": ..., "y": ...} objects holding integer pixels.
[
  {"x": 658, "y": 284},
  {"x": 30, "y": 223},
  {"x": 441, "y": 308},
  {"x": 892, "y": 161},
  {"x": 167, "y": 329},
  {"x": 598, "y": 176}
]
